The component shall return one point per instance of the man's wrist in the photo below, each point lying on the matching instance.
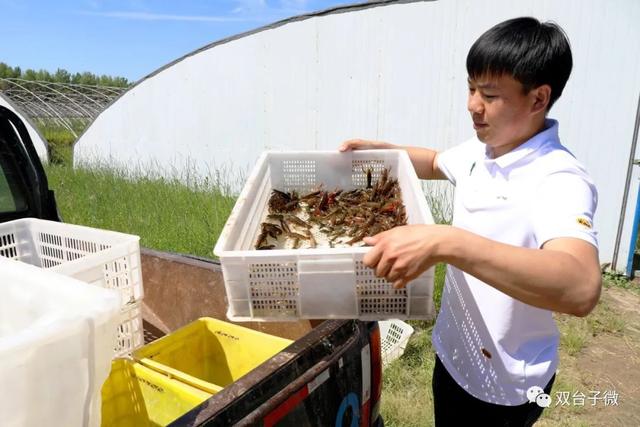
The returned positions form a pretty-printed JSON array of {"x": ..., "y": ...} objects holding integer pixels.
[
  {"x": 448, "y": 244},
  {"x": 382, "y": 145}
]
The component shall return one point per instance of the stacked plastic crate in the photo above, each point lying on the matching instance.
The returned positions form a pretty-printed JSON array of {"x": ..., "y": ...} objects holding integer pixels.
[
  {"x": 99, "y": 257},
  {"x": 177, "y": 372}
]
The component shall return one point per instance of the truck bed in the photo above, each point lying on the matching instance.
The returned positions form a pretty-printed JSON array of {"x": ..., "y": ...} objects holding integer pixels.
[
  {"x": 179, "y": 289},
  {"x": 331, "y": 372}
]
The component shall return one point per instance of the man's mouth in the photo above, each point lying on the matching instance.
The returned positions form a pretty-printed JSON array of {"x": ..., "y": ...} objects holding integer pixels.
[{"x": 479, "y": 125}]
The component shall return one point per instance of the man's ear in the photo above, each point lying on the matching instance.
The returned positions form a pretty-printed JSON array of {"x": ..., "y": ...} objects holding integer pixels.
[{"x": 541, "y": 97}]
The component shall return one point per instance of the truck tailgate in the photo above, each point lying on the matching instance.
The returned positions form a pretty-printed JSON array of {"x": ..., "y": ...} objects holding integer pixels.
[{"x": 322, "y": 379}]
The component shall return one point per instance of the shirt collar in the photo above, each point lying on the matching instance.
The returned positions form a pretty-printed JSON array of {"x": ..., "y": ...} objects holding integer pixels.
[{"x": 550, "y": 133}]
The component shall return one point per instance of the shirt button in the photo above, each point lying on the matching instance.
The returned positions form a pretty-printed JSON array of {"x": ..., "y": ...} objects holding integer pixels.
[{"x": 485, "y": 352}]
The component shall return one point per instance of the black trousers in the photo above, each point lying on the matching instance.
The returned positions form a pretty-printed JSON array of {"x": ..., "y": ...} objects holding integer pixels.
[{"x": 453, "y": 406}]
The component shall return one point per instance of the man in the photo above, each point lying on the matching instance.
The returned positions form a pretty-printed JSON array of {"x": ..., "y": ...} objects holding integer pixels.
[{"x": 521, "y": 244}]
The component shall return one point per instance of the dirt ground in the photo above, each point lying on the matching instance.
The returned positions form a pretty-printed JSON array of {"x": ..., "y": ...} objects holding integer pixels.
[{"x": 608, "y": 362}]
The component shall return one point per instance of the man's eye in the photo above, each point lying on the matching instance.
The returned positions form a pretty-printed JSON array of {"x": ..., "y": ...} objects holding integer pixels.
[{"x": 490, "y": 96}]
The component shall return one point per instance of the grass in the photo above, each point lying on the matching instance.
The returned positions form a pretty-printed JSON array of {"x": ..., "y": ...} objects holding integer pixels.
[
  {"x": 407, "y": 400},
  {"x": 60, "y": 142},
  {"x": 7, "y": 204},
  {"x": 406, "y": 390},
  {"x": 620, "y": 281},
  {"x": 60, "y": 139},
  {"x": 575, "y": 334},
  {"x": 167, "y": 214},
  {"x": 576, "y": 331},
  {"x": 440, "y": 200},
  {"x": 172, "y": 216}
]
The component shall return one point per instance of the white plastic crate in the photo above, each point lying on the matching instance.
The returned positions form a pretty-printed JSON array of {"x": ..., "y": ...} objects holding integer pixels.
[
  {"x": 103, "y": 258},
  {"x": 100, "y": 257},
  {"x": 394, "y": 336},
  {"x": 130, "y": 330},
  {"x": 321, "y": 283}
]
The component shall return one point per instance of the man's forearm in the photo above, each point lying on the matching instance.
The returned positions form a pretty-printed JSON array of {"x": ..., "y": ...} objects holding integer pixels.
[
  {"x": 423, "y": 160},
  {"x": 550, "y": 279}
]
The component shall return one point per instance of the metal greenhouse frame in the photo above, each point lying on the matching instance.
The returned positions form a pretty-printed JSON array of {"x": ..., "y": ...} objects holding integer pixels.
[{"x": 69, "y": 105}]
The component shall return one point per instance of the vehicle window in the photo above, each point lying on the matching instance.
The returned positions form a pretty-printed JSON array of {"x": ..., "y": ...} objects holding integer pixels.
[
  {"x": 7, "y": 203},
  {"x": 12, "y": 196}
]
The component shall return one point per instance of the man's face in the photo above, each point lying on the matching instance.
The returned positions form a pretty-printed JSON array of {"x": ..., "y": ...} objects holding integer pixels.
[{"x": 502, "y": 113}]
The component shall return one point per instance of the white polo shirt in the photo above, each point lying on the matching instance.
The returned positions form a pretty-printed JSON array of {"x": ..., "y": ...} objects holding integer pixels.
[{"x": 493, "y": 345}]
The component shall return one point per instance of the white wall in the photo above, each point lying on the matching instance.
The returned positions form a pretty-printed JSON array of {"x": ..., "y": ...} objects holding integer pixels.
[
  {"x": 394, "y": 72},
  {"x": 38, "y": 141}
]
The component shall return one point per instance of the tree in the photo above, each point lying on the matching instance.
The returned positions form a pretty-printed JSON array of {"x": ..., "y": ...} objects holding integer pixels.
[
  {"x": 105, "y": 80},
  {"x": 62, "y": 76},
  {"x": 76, "y": 78},
  {"x": 43, "y": 75},
  {"x": 121, "y": 82},
  {"x": 88, "y": 78},
  {"x": 5, "y": 70},
  {"x": 30, "y": 74}
]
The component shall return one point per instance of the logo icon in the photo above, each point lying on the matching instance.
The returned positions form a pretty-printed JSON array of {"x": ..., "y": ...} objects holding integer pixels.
[
  {"x": 543, "y": 400},
  {"x": 536, "y": 394},
  {"x": 584, "y": 222}
]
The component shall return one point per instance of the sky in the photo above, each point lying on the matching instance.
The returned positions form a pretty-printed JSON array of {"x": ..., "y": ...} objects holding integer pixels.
[{"x": 129, "y": 38}]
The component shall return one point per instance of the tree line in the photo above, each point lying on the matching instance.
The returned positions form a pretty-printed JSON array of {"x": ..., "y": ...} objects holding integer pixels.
[{"x": 61, "y": 76}]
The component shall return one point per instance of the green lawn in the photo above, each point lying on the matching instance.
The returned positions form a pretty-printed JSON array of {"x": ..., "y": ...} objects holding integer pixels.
[
  {"x": 165, "y": 213},
  {"x": 406, "y": 390},
  {"x": 171, "y": 216}
]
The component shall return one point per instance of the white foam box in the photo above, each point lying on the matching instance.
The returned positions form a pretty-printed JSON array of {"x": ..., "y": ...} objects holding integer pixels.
[
  {"x": 319, "y": 283},
  {"x": 56, "y": 343}
]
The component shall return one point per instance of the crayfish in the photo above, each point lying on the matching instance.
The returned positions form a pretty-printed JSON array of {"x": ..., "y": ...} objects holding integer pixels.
[{"x": 339, "y": 217}]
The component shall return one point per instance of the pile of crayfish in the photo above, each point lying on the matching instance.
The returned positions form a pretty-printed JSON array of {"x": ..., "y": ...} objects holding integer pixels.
[{"x": 340, "y": 217}]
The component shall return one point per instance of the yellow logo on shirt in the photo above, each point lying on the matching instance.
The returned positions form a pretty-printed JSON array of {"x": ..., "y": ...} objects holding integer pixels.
[{"x": 584, "y": 222}]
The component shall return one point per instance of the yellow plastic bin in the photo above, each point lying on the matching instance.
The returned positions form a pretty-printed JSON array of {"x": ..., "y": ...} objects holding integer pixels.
[
  {"x": 136, "y": 396},
  {"x": 210, "y": 354}
]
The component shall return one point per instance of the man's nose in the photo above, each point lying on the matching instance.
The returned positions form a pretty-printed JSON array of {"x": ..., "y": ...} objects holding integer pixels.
[{"x": 474, "y": 103}]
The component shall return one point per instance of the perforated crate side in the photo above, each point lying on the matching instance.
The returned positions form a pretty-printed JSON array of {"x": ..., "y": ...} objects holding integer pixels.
[
  {"x": 16, "y": 242},
  {"x": 92, "y": 260},
  {"x": 421, "y": 296},
  {"x": 360, "y": 167},
  {"x": 395, "y": 336},
  {"x": 124, "y": 273},
  {"x": 130, "y": 335},
  {"x": 8, "y": 245},
  {"x": 377, "y": 297},
  {"x": 299, "y": 175},
  {"x": 274, "y": 291}
]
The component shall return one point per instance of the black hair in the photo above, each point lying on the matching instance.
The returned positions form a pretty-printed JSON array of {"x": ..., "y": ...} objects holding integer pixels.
[{"x": 532, "y": 52}]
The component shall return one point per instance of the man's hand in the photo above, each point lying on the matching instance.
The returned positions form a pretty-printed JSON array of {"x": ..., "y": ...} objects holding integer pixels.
[
  {"x": 563, "y": 276},
  {"x": 424, "y": 160},
  {"x": 364, "y": 144},
  {"x": 403, "y": 253}
]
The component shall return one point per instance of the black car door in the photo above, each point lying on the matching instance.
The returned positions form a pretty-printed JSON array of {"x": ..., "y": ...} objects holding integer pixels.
[{"x": 24, "y": 188}]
